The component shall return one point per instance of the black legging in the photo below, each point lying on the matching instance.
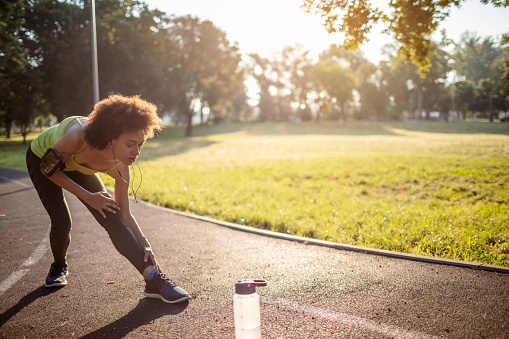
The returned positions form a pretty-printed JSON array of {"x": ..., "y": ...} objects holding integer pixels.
[{"x": 53, "y": 199}]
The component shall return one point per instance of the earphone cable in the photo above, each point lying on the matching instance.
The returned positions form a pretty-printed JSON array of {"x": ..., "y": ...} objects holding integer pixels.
[{"x": 133, "y": 175}]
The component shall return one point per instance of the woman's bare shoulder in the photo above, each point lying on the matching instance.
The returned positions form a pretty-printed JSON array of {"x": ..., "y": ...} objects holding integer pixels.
[
  {"x": 73, "y": 138},
  {"x": 77, "y": 124}
]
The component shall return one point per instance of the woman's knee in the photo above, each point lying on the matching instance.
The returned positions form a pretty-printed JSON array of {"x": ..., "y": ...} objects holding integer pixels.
[{"x": 61, "y": 223}]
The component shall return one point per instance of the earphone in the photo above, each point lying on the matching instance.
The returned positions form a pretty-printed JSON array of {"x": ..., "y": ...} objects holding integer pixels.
[{"x": 134, "y": 176}]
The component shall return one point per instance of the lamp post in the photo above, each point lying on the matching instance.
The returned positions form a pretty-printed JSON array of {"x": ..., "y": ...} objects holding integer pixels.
[{"x": 95, "y": 73}]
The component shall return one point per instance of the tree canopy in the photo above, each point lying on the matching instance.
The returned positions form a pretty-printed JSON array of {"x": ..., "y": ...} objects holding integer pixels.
[
  {"x": 189, "y": 69},
  {"x": 46, "y": 59},
  {"x": 411, "y": 23}
]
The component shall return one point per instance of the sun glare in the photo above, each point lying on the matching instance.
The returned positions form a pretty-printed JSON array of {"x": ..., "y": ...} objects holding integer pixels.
[
  {"x": 259, "y": 27},
  {"x": 266, "y": 26}
]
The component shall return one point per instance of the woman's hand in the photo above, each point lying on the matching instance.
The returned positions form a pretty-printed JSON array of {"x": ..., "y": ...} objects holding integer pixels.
[
  {"x": 150, "y": 255},
  {"x": 103, "y": 201}
]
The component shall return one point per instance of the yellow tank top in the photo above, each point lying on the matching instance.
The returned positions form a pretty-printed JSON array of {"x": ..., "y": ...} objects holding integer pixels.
[{"x": 49, "y": 137}]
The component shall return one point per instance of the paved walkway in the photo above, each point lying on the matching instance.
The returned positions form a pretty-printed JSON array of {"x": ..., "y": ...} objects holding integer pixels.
[{"x": 312, "y": 292}]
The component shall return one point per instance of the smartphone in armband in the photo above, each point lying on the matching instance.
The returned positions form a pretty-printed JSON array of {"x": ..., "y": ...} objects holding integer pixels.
[{"x": 50, "y": 162}]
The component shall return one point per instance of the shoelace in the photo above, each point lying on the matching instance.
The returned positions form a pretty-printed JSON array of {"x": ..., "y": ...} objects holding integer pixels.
[
  {"x": 60, "y": 270},
  {"x": 167, "y": 281}
]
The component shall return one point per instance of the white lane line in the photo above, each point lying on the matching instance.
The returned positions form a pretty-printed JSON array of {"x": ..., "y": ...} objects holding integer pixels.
[
  {"x": 12, "y": 279},
  {"x": 38, "y": 253},
  {"x": 347, "y": 319},
  {"x": 34, "y": 258}
]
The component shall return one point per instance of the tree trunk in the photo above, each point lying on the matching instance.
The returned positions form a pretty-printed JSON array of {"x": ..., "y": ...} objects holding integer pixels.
[
  {"x": 24, "y": 132},
  {"x": 8, "y": 125},
  {"x": 419, "y": 101},
  {"x": 189, "y": 127},
  {"x": 342, "y": 113},
  {"x": 386, "y": 105}
]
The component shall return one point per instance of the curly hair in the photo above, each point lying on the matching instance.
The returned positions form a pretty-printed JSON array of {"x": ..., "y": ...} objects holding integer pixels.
[{"x": 119, "y": 114}]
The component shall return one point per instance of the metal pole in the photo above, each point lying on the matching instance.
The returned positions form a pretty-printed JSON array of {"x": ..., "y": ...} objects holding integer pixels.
[{"x": 95, "y": 73}]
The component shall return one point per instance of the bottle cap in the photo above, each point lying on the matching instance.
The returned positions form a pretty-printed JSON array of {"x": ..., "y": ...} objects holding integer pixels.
[{"x": 248, "y": 286}]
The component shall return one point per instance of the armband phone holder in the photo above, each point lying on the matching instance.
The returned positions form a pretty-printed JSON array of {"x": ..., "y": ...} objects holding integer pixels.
[{"x": 50, "y": 162}]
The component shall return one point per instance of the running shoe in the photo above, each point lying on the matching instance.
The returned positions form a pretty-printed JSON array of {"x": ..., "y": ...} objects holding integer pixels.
[
  {"x": 57, "y": 276},
  {"x": 163, "y": 288}
]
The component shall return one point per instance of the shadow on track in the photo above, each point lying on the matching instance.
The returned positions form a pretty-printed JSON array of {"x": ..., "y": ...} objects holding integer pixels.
[
  {"x": 146, "y": 311},
  {"x": 25, "y": 301},
  {"x": 18, "y": 191}
]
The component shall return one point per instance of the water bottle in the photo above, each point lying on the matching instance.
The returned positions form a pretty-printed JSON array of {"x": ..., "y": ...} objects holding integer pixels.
[{"x": 246, "y": 309}]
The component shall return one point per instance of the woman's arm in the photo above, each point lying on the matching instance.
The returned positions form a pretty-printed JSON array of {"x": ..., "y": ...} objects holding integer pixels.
[
  {"x": 98, "y": 200},
  {"x": 72, "y": 140},
  {"x": 122, "y": 177}
]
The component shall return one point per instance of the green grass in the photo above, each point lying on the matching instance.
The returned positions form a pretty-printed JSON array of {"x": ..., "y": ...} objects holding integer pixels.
[
  {"x": 12, "y": 151},
  {"x": 437, "y": 189}
]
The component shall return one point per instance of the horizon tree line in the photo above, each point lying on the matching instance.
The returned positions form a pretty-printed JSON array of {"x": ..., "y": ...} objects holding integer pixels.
[{"x": 187, "y": 67}]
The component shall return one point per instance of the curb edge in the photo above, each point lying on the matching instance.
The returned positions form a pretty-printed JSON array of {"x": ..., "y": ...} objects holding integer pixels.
[{"x": 338, "y": 246}]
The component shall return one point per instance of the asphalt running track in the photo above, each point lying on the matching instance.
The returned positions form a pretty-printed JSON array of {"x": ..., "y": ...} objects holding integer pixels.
[{"x": 313, "y": 291}]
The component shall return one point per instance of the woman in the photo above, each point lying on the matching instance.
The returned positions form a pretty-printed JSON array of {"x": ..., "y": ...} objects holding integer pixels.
[{"x": 108, "y": 141}]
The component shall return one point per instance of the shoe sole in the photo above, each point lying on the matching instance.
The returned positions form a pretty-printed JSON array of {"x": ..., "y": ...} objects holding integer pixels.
[
  {"x": 158, "y": 296},
  {"x": 55, "y": 285}
]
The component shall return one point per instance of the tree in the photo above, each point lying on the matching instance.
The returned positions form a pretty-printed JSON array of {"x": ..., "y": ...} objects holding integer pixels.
[
  {"x": 464, "y": 96},
  {"x": 222, "y": 79},
  {"x": 400, "y": 84},
  {"x": 410, "y": 22},
  {"x": 200, "y": 52},
  {"x": 259, "y": 68},
  {"x": 484, "y": 89},
  {"x": 175, "y": 63},
  {"x": 59, "y": 47},
  {"x": 408, "y": 91},
  {"x": 473, "y": 58},
  {"x": 284, "y": 83},
  {"x": 433, "y": 86},
  {"x": 132, "y": 47},
  {"x": 18, "y": 81},
  {"x": 283, "y": 66},
  {"x": 334, "y": 85},
  {"x": 352, "y": 59},
  {"x": 371, "y": 96},
  {"x": 241, "y": 110},
  {"x": 501, "y": 70},
  {"x": 300, "y": 80}
]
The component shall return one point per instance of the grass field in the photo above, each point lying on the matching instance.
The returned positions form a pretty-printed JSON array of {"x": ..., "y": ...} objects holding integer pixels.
[{"x": 431, "y": 188}]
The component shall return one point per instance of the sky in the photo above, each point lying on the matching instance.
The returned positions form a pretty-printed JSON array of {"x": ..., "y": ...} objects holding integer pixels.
[{"x": 266, "y": 26}]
